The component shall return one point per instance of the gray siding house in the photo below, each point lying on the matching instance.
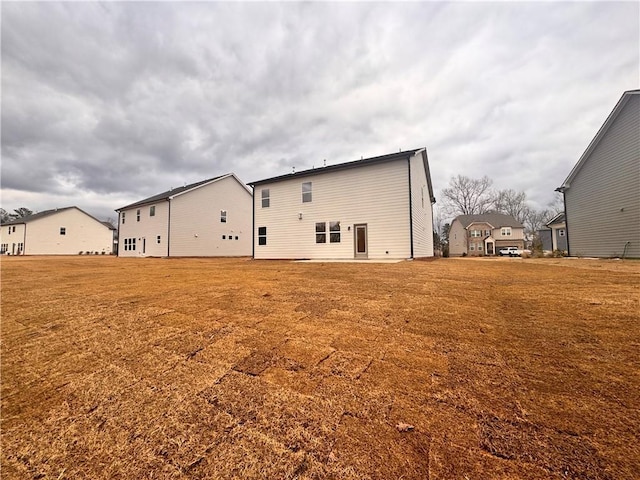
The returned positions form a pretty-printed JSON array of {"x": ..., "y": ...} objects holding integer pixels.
[
  {"x": 554, "y": 237},
  {"x": 602, "y": 192}
]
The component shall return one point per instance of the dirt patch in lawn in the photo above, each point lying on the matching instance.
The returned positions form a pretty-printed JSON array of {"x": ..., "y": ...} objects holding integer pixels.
[{"x": 233, "y": 368}]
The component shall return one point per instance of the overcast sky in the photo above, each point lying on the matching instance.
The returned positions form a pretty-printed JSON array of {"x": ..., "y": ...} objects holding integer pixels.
[{"x": 104, "y": 104}]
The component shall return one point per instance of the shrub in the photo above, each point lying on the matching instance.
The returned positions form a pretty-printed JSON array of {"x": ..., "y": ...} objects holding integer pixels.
[
  {"x": 80, "y": 252},
  {"x": 557, "y": 253}
]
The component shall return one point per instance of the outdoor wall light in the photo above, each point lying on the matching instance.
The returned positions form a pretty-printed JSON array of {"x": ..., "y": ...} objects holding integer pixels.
[{"x": 300, "y": 216}]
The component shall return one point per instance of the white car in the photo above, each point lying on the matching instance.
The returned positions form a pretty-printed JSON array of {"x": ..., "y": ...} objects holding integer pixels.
[{"x": 510, "y": 251}]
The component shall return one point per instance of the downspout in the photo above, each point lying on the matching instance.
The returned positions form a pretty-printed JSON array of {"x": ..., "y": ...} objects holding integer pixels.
[
  {"x": 253, "y": 222},
  {"x": 119, "y": 220},
  {"x": 566, "y": 218},
  {"x": 169, "y": 230},
  {"x": 624, "y": 252},
  {"x": 410, "y": 208}
]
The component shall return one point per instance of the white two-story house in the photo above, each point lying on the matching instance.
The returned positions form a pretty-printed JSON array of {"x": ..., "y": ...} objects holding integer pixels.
[
  {"x": 60, "y": 231},
  {"x": 211, "y": 218},
  {"x": 486, "y": 234},
  {"x": 374, "y": 208}
]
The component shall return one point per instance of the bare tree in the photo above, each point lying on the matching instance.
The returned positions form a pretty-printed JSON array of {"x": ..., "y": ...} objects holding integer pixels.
[
  {"x": 512, "y": 203},
  {"x": 557, "y": 205},
  {"x": 536, "y": 219},
  {"x": 4, "y": 216},
  {"x": 467, "y": 196}
]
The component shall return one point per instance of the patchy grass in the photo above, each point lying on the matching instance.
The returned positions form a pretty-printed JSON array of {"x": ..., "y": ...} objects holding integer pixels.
[{"x": 203, "y": 368}]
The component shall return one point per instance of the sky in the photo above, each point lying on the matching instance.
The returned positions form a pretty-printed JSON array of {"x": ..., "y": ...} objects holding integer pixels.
[{"x": 105, "y": 104}]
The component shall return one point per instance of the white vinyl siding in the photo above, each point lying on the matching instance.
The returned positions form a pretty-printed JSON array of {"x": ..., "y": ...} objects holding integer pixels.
[
  {"x": 145, "y": 232},
  {"x": 196, "y": 227},
  {"x": 422, "y": 209},
  {"x": 42, "y": 236},
  {"x": 376, "y": 195},
  {"x": 602, "y": 201}
]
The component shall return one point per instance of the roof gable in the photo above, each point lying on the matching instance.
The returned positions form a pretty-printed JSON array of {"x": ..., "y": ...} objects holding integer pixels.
[
  {"x": 348, "y": 165},
  {"x": 626, "y": 96},
  {"x": 496, "y": 220},
  {"x": 174, "y": 192},
  {"x": 48, "y": 213}
]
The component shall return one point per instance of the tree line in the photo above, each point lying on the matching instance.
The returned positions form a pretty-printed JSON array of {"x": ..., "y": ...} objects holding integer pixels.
[{"x": 15, "y": 215}]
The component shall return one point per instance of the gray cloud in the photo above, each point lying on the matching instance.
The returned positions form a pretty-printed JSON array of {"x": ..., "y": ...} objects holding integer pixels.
[{"x": 106, "y": 103}]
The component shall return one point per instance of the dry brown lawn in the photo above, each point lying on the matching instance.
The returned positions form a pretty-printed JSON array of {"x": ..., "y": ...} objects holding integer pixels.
[{"x": 206, "y": 368}]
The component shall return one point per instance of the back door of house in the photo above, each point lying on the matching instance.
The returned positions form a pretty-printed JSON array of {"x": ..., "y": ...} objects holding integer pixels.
[{"x": 360, "y": 241}]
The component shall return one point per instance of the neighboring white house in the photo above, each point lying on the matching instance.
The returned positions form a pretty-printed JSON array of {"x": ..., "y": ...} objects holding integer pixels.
[
  {"x": 602, "y": 192},
  {"x": 374, "y": 208},
  {"x": 211, "y": 218},
  {"x": 486, "y": 234},
  {"x": 61, "y": 231}
]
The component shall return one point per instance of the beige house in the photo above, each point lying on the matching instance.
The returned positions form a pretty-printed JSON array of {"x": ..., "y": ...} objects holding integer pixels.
[
  {"x": 602, "y": 191},
  {"x": 374, "y": 208},
  {"x": 211, "y": 218},
  {"x": 486, "y": 234},
  {"x": 62, "y": 231}
]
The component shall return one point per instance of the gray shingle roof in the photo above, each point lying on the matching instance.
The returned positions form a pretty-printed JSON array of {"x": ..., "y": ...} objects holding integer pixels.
[
  {"x": 559, "y": 218},
  {"x": 340, "y": 166},
  {"x": 169, "y": 193},
  {"x": 46, "y": 213},
  {"x": 497, "y": 220}
]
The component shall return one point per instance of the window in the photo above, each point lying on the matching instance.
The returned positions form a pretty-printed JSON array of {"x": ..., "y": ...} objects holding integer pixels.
[
  {"x": 505, "y": 231},
  {"x": 223, "y": 216},
  {"x": 321, "y": 232},
  {"x": 476, "y": 233},
  {"x": 123, "y": 218},
  {"x": 472, "y": 246},
  {"x": 224, "y": 237},
  {"x": 561, "y": 232},
  {"x": 334, "y": 232},
  {"x": 63, "y": 230},
  {"x": 230, "y": 237},
  {"x": 9, "y": 231},
  {"x": 479, "y": 247},
  {"x": 306, "y": 192},
  {"x": 236, "y": 237},
  {"x": 129, "y": 244},
  {"x": 262, "y": 235},
  {"x": 487, "y": 233},
  {"x": 265, "y": 198},
  {"x": 14, "y": 229},
  {"x": 152, "y": 211},
  {"x": 158, "y": 239},
  {"x": 138, "y": 215}
]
